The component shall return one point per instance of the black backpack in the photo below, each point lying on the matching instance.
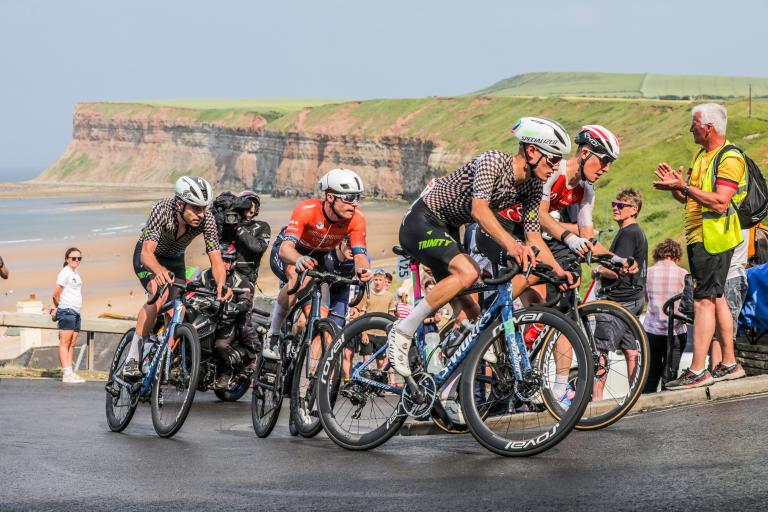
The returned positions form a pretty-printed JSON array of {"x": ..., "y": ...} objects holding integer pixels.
[{"x": 754, "y": 207}]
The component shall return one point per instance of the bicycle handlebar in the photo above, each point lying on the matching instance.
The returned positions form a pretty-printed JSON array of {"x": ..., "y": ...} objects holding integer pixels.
[
  {"x": 324, "y": 277},
  {"x": 160, "y": 291}
]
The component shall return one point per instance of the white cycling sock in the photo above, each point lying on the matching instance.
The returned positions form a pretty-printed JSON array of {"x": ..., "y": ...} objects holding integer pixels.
[
  {"x": 67, "y": 370},
  {"x": 135, "y": 351},
  {"x": 559, "y": 388},
  {"x": 278, "y": 315},
  {"x": 409, "y": 324}
]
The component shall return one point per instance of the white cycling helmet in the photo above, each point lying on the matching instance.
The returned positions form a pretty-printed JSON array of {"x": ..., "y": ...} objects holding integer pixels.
[
  {"x": 545, "y": 134},
  {"x": 194, "y": 190},
  {"x": 599, "y": 140},
  {"x": 342, "y": 181}
]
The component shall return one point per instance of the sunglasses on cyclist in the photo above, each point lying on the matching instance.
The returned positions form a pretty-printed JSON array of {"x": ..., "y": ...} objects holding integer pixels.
[
  {"x": 604, "y": 159},
  {"x": 348, "y": 198},
  {"x": 75, "y": 258},
  {"x": 620, "y": 206},
  {"x": 552, "y": 160}
]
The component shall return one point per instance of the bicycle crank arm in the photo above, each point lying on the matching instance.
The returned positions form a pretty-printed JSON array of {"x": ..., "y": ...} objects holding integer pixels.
[{"x": 418, "y": 396}]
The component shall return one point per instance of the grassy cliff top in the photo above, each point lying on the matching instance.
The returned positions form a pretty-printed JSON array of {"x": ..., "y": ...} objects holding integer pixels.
[
  {"x": 628, "y": 85},
  {"x": 651, "y": 131}
]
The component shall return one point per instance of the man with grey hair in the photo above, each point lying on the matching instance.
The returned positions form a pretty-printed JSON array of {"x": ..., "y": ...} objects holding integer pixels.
[{"x": 712, "y": 231}]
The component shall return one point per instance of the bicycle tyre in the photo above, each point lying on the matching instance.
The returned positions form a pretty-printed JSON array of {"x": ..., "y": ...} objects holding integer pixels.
[
  {"x": 116, "y": 423},
  {"x": 304, "y": 405},
  {"x": 329, "y": 391},
  {"x": 562, "y": 427},
  {"x": 638, "y": 383},
  {"x": 186, "y": 340},
  {"x": 266, "y": 403}
]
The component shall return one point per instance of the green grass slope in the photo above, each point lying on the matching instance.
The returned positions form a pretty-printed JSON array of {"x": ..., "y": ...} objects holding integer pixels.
[
  {"x": 651, "y": 131},
  {"x": 627, "y": 85}
]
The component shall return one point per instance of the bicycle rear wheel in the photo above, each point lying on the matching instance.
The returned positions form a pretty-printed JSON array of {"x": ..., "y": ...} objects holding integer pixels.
[
  {"x": 173, "y": 389},
  {"x": 516, "y": 424},
  {"x": 121, "y": 404},
  {"x": 620, "y": 376},
  {"x": 267, "y": 397},
  {"x": 356, "y": 414},
  {"x": 304, "y": 386}
]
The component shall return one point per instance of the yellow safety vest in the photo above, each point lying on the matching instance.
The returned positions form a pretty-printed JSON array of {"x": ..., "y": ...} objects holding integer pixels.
[{"x": 721, "y": 231}]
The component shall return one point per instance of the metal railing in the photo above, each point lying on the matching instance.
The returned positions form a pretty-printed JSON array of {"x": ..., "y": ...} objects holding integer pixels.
[{"x": 89, "y": 326}]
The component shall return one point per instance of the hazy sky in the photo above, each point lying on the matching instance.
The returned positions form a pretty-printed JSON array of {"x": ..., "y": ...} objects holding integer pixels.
[{"x": 56, "y": 53}]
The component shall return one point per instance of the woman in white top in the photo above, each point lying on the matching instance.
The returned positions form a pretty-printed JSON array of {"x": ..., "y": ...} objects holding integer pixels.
[{"x": 68, "y": 299}]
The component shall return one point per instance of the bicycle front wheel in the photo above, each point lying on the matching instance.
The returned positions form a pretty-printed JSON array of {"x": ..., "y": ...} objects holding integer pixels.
[
  {"x": 173, "y": 389},
  {"x": 304, "y": 386},
  {"x": 359, "y": 414},
  {"x": 121, "y": 404},
  {"x": 267, "y": 397},
  {"x": 504, "y": 413}
]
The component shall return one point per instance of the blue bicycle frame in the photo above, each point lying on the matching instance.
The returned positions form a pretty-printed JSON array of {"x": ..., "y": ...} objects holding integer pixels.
[
  {"x": 146, "y": 383},
  {"x": 502, "y": 306}
]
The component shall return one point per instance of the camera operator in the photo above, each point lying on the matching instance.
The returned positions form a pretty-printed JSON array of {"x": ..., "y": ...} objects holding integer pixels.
[
  {"x": 235, "y": 326},
  {"x": 249, "y": 236}
]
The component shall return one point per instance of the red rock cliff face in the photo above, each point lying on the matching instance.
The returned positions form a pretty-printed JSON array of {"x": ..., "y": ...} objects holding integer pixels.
[{"x": 156, "y": 145}]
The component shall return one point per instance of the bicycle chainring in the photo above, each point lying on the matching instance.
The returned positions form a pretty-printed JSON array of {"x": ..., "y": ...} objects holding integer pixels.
[{"x": 420, "y": 408}]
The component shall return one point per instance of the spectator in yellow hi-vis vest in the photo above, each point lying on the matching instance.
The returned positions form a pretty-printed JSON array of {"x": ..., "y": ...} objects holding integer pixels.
[{"x": 712, "y": 231}]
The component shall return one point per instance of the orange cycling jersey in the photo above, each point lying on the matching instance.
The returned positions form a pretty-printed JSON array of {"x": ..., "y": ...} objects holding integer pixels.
[{"x": 311, "y": 230}]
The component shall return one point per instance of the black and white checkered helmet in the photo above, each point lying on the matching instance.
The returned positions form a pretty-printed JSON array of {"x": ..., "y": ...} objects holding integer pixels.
[{"x": 194, "y": 190}]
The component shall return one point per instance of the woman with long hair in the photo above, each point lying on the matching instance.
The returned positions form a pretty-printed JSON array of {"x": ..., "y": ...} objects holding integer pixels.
[{"x": 68, "y": 299}]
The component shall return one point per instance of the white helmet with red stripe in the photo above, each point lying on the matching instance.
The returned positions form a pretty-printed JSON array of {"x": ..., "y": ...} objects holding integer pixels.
[{"x": 599, "y": 140}]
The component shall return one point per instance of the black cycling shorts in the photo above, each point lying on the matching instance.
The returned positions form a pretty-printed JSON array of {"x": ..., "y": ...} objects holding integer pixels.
[
  {"x": 175, "y": 265},
  {"x": 429, "y": 240}
]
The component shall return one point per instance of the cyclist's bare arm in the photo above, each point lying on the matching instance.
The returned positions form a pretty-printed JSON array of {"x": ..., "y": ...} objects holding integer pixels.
[
  {"x": 290, "y": 255},
  {"x": 484, "y": 216},
  {"x": 549, "y": 223},
  {"x": 219, "y": 275},
  {"x": 362, "y": 267}
]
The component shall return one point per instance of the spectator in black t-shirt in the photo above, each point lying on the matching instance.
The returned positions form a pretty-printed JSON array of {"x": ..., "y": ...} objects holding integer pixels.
[{"x": 628, "y": 290}]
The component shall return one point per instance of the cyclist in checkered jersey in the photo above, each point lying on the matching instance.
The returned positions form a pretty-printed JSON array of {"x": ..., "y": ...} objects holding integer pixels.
[
  {"x": 490, "y": 182},
  {"x": 158, "y": 258},
  {"x": 567, "y": 203}
]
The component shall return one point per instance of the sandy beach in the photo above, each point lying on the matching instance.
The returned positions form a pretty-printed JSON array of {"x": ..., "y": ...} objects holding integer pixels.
[{"x": 109, "y": 284}]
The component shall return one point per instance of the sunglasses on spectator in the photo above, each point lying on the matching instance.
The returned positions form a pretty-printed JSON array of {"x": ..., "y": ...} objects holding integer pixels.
[
  {"x": 620, "y": 206},
  {"x": 348, "y": 198},
  {"x": 75, "y": 258}
]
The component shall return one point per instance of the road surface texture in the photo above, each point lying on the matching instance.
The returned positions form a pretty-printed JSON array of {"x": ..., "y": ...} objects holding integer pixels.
[{"x": 56, "y": 453}]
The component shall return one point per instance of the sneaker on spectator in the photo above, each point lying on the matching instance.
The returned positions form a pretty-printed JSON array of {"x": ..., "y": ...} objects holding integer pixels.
[
  {"x": 79, "y": 377},
  {"x": 690, "y": 380},
  {"x": 730, "y": 372},
  {"x": 72, "y": 378}
]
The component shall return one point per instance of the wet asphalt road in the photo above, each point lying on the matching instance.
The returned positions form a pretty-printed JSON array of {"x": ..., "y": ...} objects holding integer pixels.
[{"x": 56, "y": 453}]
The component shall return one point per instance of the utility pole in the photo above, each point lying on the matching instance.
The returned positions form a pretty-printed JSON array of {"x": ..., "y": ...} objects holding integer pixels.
[{"x": 750, "y": 100}]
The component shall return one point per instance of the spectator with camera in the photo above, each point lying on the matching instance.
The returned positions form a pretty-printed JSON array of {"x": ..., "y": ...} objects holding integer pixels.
[{"x": 236, "y": 218}]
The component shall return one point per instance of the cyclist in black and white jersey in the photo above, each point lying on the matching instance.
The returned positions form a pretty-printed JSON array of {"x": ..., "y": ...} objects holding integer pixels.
[
  {"x": 490, "y": 182},
  {"x": 172, "y": 225}
]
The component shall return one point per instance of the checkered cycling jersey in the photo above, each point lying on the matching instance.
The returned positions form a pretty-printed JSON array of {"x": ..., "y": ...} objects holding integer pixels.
[
  {"x": 488, "y": 176},
  {"x": 163, "y": 224}
]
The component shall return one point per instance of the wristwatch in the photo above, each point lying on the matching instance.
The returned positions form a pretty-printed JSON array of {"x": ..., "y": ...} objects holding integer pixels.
[{"x": 685, "y": 189}]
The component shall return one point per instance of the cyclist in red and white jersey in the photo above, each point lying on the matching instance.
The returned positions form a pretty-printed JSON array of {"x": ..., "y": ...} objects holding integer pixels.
[{"x": 317, "y": 226}]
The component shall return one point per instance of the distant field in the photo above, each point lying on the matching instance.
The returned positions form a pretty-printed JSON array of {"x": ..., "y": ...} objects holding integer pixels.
[
  {"x": 627, "y": 85},
  {"x": 257, "y": 104}
]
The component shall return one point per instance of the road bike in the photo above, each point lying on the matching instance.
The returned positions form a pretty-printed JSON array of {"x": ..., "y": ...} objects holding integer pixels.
[{"x": 491, "y": 369}]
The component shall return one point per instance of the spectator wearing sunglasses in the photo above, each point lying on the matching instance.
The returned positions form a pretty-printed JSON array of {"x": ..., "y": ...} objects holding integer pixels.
[
  {"x": 626, "y": 289},
  {"x": 68, "y": 299}
]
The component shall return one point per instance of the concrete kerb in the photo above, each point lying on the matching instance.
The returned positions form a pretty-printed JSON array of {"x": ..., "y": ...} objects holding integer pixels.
[{"x": 651, "y": 402}]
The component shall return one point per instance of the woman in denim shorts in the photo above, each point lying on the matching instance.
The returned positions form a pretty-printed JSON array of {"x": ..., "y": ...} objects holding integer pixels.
[{"x": 68, "y": 299}]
